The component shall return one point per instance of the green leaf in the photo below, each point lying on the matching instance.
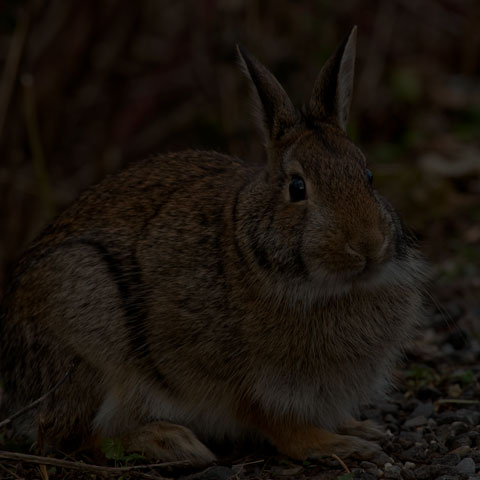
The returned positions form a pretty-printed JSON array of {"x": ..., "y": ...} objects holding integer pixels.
[
  {"x": 467, "y": 378},
  {"x": 345, "y": 476},
  {"x": 133, "y": 457},
  {"x": 113, "y": 449}
]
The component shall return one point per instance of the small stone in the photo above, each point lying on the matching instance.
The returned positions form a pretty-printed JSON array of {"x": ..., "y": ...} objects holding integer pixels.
[
  {"x": 423, "y": 410},
  {"x": 411, "y": 437},
  {"x": 462, "y": 440},
  {"x": 427, "y": 472},
  {"x": 370, "y": 467},
  {"x": 459, "y": 427},
  {"x": 450, "y": 459},
  {"x": 381, "y": 458},
  {"x": 389, "y": 418},
  {"x": 466, "y": 466},
  {"x": 415, "y": 454},
  {"x": 431, "y": 423},
  {"x": 408, "y": 474},
  {"x": 475, "y": 454},
  {"x": 393, "y": 472},
  {"x": 443, "y": 432},
  {"x": 361, "y": 475},
  {"x": 428, "y": 393},
  {"x": 474, "y": 437},
  {"x": 438, "y": 448},
  {"x": 462, "y": 451},
  {"x": 415, "y": 422},
  {"x": 470, "y": 417},
  {"x": 409, "y": 465}
]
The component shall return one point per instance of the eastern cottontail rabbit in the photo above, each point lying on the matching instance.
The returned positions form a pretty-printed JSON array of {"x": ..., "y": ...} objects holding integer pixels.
[{"x": 198, "y": 296}]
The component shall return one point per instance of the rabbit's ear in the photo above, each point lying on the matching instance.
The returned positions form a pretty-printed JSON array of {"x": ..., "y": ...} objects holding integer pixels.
[
  {"x": 276, "y": 110},
  {"x": 333, "y": 88}
]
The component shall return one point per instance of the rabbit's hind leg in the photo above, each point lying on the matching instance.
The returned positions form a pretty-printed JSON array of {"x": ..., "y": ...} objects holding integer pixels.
[
  {"x": 128, "y": 414},
  {"x": 168, "y": 442}
]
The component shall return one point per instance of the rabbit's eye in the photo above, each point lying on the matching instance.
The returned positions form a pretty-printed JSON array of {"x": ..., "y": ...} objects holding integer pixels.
[
  {"x": 297, "y": 189},
  {"x": 369, "y": 176}
]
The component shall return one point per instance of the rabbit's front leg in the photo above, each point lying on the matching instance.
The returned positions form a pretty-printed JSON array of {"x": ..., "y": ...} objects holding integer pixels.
[{"x": 300, "y": 440}]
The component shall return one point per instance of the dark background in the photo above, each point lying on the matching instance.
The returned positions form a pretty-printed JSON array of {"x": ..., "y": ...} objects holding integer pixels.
[{"x": 87, "y": 86}]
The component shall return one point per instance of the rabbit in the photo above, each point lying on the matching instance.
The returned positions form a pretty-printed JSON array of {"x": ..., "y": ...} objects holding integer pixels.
[{"x": 196, "y": 297}]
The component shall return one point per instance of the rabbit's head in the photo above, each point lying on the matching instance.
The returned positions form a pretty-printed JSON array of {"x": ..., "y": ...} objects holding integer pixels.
[{"x": 324, "y": 221}]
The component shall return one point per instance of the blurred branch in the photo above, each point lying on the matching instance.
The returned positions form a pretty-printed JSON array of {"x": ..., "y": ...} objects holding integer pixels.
[
  {"x": 34, "y": 138},
  {"x": 11, "y": 64},
  {"x": 377, "y": 52}
]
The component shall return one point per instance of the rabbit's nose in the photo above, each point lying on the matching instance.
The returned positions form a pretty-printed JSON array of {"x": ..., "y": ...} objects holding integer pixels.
[{"x": 369, "y": 247}]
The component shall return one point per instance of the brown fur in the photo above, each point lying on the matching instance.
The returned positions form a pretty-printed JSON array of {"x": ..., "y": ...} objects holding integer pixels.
[{"x": 197, "y": 300}]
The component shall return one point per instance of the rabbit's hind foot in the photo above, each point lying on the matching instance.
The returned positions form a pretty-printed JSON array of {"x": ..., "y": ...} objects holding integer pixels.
[{"x": 168, "y": 442}]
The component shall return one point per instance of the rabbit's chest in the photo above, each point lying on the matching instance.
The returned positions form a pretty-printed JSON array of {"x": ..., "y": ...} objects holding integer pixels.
[{"x": 325, "y": 367}]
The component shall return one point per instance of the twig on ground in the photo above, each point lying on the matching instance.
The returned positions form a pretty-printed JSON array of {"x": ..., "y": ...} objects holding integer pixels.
[
  {"x": 23, "y": 410},
  {"x": 458, "y": 401},
  {"x": 86, "y": 467},
  {"x": 248, "y": 463},
  {"x": 10, "y": 472},
  {"x": 43, "y": 472},
  {"x": 341, "y": 462}
]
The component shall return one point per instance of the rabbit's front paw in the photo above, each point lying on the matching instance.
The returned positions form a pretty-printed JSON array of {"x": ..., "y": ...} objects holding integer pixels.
[
  {"x": 314, "y": 442},
  {"x": 347, "y": 445},
  {"x": 366, "y": 429},
  {"x": 169, "y": 442}
]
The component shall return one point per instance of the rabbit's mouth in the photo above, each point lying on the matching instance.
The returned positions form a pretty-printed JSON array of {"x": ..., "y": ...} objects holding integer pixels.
[
  {"x": 390, "y": 272},
  {"x": 370, "y": 275},
  {"x": 370, "y": 272},
  {"x": 338, "y": 283}
]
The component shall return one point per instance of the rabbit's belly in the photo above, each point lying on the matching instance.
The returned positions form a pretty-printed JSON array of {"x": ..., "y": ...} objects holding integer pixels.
[{"x": 135, "y": 403}]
